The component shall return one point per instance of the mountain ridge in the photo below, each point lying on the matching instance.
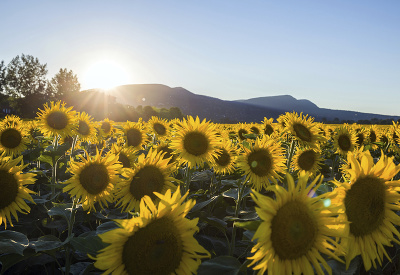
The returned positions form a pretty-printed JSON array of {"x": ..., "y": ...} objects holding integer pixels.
[{"x": 218, "y": 110}]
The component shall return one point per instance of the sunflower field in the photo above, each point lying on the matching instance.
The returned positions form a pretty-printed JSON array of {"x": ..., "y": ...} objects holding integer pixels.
[{"x": 189, "y": 196}]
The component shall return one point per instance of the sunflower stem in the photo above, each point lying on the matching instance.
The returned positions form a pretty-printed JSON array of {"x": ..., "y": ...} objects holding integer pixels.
[
  {"x": 70, "y": 228},
  {"x": 291, "y": 153},
  {"x": 240, "y": 188}
]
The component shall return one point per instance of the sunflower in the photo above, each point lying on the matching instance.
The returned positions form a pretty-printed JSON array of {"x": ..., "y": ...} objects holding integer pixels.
[
  {"x": 14, "y": 191},
  {"x": 268, "y": 126},
  {"x": 85, "y": 128},
  {"x": 56, "y": 119},
  {"x": 369, "y": 201},
  {"x": 254, "y": 129},
  {"x": 126, "y": 155},
  {"x": 361, "y": 135},
  {"x": 373, "y": 136},
  {"x": 262, "y": 162},
  {"x": 195, "y": 142},
  {"x": 295, "y": 229},
  {"x": 242, "y": 130},
  {"x": 344, "y": 140},
  {"x": 225, "y": 162},
  {"x": 150, "y": 174},
  {"x": 158, "y": 126},
  {"x": 13, "y": 139},
  {"x": 134, "y": 134},
  {"x": 308, "y": 160},
  {"x": 11, "y": 120},
  {"x": 159, "y": 241},
  {"x": 304, "y": 130},
  {"x": 106, "y": 127},
  {"x": 167, "y": 152},
  {"x": 93, "y": 179}
]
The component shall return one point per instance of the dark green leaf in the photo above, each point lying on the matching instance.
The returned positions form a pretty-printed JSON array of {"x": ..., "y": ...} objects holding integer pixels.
[
  {"x": 88, "y": 245},
  {"x": 250, "y": 225},
  {"x": 220, "y": 265},
  {"x": 8, "y": 260},
  {"x": 203, "y": 204},
  {"x": 231, "y": 193},
  {"x": 47, "y": 243},
  {"x": 107, "y": 226},
  {"x": 62, "y": 210},
  {"x": 13, "y": 242}
]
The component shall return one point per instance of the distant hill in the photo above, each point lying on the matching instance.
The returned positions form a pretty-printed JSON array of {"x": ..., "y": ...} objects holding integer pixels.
[{"x": 247, "y": 110}]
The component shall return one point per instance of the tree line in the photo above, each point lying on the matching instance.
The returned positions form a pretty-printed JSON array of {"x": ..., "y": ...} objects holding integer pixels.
[{"x": 24, "y": 87}]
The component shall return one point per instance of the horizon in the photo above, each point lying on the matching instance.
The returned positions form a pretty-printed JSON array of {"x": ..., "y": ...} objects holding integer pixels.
[{"x": 341, "y": 55}]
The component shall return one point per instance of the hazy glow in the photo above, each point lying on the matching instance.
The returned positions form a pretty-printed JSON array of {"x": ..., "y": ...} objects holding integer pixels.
[{"x": 105, "y": 74}]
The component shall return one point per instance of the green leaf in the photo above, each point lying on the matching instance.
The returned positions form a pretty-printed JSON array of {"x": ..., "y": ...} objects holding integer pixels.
[
  {"x": 48, "y": 243},
  {"x": 231, "y": 193},
  {"x": 203, "y": 204},
  {"x": 249, "y": 225},
  {"x": 13, "y": 242},
  {"x": 8, "y": 260},
  {"x": 88, "y": 245},
  {"x": 220, "y": 265},
  {"x": 107, "y": 226},
  {"x": 46, "y": 159},
  {"x": 62, "y": 210},
  {"x": 218, "y": 223}
]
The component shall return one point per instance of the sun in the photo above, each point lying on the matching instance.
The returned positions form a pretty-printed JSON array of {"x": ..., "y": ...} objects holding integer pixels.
[{"x": 105, "y": 74}]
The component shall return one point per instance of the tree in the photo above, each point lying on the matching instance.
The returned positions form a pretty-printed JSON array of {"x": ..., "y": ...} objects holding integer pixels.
[
  {"x": 25, "y": 81},
  {"x": 63, "y": 84},
  {"x": 2, "y": 77}
]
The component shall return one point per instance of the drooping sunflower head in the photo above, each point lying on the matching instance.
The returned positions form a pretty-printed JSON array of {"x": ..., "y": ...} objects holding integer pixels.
[
  {"x": 85, "y": 127},
  {"x": 126, "y": 155},
  {"x": 158, "y": 126},
  {"x": 93, "y": 179},
  {"x": 307, "y": 160},
  {"x": 242, "y": 129},
  {"x": 304, "y": 130},
  {"x": 225, "y": 162},
  {"x": 268, "y": 128},
  {"x": 159, "y": 241},
  {"x": 295, "y": 229},
  {"x": 369, "y": 198},
  {"x": 254, "y": 129},
  {"x": 262, "y": 163},
  {"x": 150, "y": 174},
  {"x": 56, "y": 119},
  {"x": 13, "y": 139},
  {"x": 195, "y": 142},
  {"x": 344, "y": 140},
  {"x": 14, "y": 190},
  {"x": 134, "y": 134}
]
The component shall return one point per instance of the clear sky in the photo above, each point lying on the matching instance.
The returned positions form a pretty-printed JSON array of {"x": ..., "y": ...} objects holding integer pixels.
[{"x": 339, "y": 54}]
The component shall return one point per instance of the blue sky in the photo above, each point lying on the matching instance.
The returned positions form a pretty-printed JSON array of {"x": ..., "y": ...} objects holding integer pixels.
[{"x": 338, "y": 54}]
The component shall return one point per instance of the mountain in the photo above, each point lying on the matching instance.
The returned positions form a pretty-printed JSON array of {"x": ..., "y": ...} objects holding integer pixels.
[{"x": 215, "y": 109}]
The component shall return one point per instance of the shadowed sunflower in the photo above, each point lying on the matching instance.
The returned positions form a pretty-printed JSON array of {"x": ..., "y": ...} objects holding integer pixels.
[
  {"x": 373, "y": 136},
  {"x": 268, "y": 126},
  {"x": 93, "y": 179},
  {"x": 369, "y": 201},
  {"x": 304, "y": 130},
  {"x": 254, "y": 129},
  {"x": 158, "y": 126},
  {"x": 134, "y": 134},
  {"x": 85, "y": 127},
  {"x": 344, "y": 140},
  {"x": 262, "y": 162},
  {"x": 159, "y": 241},
  {"x": 195, "y": 142},
  {"x": 295, "y": 229},
  {"x": 361, "y": 135},
  {"x": 307, "y": 160},
  {"x": 106, "y": 127},
  {"x": 126, "y": 155},
  {"x": 150, "y": 174},
  {"x": 14, "y": 191},
  {"x": 225, "y": 162},
  {"x": 56, "y": 119},
  {"x": 242, "y": 130},
  {"x": 13, "y": 139},
  {"x": 167, "y": 152}
]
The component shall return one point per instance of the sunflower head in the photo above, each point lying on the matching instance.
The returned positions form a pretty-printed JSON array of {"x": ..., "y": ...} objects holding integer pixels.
[
  {"x": 225, "y": 162},
  {"x": 307, "y": 160},
  {"x": 295, "y": 229},
  {"x": 56, "y": 119},
  {"x": 134, "y": 134},
  {"x": 14, "y": 190},
  {"x": 268, "y": 128},
  {"x": 262, "y": 163},
  {"x": 159, "y": 241},
  {"x": 344, "y": 140},
  {"x": 158, "y": 126},
  {"x": 93, "y": 179},
  {"x": 195, "y": 142},
  {"x": 85, "y": 127},
  {"x": 13, "y": 139},
  {"x": 369, "y": 198}
]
